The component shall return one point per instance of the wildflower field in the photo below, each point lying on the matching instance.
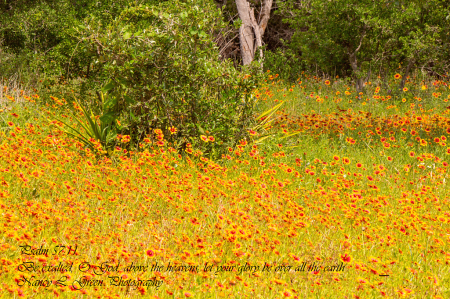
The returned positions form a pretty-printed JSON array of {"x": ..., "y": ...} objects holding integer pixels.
[{"x": 339, "y": 195}]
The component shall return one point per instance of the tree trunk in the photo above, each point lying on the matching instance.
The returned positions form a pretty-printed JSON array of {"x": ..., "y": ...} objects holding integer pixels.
[
  {"x": 250, "y": 33},
  {"x": 354, "y": 63},
  {"x": 406, "y": 74}
]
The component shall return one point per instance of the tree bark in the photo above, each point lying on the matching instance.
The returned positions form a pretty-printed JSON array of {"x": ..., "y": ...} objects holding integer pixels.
[
  {"x": 354, "y": 64},
  {"x": 265, "y": 15},
  {"x": 406, "y": 74},
  {"x": 250, "y": 33},
  {"x": 246, "y": 36}
]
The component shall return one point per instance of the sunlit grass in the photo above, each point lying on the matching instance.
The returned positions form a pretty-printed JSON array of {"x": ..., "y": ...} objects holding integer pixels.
[{"x": 339, "y": 183}]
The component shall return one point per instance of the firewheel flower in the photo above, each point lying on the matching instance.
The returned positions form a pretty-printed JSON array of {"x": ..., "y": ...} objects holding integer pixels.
[
  {"x": 204, "y": 138},
  {"x": 346, "y": 258},
  {"x": 126, "y": 138},
  {"x": 173, "y": 130},
  {"x": 397, "y": 76}
]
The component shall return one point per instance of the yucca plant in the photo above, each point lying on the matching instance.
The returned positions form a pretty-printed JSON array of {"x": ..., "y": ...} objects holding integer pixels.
[
  {"x": 97, "y": 133},
  {"x": 265, "y": 120}
]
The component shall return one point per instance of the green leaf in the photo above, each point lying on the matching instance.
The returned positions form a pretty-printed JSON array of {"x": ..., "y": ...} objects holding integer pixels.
[
  {"x": 129, "y": 99},
  {"x": 108, "y": 118},
  {"x": 108, "y": 86},
  {"x": 127, "y": 35},
  {"x": 132, "y": 116},
  {"x": 122, "y": 80},
  {"x": 289, "y": 135},
  {"x": 110, "y": 103},
  {"x": 200, "y": 129}
]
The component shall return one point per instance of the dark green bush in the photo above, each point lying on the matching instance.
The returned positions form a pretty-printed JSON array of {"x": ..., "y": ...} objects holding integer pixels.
[
  {"x": 362, "y": 37},
  {"x": 156, "y": 63},
  {"x": 162, "y": 70},
  {"x": 284, "y": 63}
]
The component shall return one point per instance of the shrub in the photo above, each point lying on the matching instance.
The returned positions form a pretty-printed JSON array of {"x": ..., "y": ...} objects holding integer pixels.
[
  {"x": 285, "y": 63},
  {"x": 162, "y": 71}
]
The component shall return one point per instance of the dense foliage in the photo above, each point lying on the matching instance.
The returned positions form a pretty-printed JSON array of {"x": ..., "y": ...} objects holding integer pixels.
[
  {"x": 346, "y": 37},
  {"x": 138, "y": 66},
  {"x": 135, "y": 66}
]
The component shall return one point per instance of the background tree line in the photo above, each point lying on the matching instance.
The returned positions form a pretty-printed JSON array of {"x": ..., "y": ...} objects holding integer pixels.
[
  {"x": 336, "y": 37},
  {"x": 351, "y": 38}
]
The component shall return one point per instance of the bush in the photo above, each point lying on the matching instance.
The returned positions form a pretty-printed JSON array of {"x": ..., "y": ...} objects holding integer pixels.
[
  {"x": 159, "y": 66},
  {"x": 354, "y": 37},
  {"x": 284, "y": 63},
  {"x": 156, "y": 64}
]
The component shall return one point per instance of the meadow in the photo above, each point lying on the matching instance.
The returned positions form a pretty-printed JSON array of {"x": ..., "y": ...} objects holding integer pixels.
[{"x": 340, "y": 195}]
